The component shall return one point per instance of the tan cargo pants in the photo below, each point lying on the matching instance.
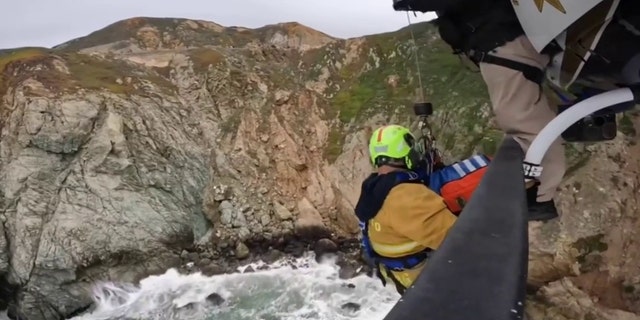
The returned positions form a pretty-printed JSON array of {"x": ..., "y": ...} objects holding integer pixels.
[{"x": 519, "y": 112}]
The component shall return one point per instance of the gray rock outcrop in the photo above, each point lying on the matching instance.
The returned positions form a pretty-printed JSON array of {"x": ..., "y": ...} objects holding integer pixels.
[{"x": 94, "y": 186}]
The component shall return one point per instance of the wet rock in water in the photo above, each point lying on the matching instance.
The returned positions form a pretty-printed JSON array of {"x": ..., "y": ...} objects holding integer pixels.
[
  {"x": 212, "y": 270},
  {"x": 193, "y": 256},
  {"x": 188, "y": 306},
  {"x": 249, "y": 269},
  {"x": 272, "y": 256},
  {"x": 206, "y": 255},
  {"x": 349, "y": 285},
  {"x": 295, "y": 249},
  {"x": 324, "y": 246},
  {"x": 215, "y": 299},
  {"x": 242, "y": 251},
  {"x": 347, "y": 272},
  {"x": 351, "y": 306},
  {"x": 204, "y": 262},
  {"x": 348, "y": 267},
  {"x": 311, "y": 232}
]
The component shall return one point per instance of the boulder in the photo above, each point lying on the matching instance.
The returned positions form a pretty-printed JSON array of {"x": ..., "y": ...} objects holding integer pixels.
[{"x": 309, "y": 224}]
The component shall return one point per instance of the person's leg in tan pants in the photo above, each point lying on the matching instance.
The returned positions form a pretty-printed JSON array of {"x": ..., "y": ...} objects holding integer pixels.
[{"x": 522, "y": 110}]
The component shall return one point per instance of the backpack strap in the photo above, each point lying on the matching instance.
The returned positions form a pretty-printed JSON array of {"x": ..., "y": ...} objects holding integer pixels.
[{"x": 457, "y": 171}]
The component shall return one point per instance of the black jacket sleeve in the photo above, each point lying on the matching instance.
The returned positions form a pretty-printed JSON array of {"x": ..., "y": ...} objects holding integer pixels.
[{"x": 426, "y": 5}]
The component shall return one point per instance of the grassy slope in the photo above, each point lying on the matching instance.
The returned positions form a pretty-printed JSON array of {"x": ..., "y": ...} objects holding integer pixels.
[
  {"x": 458, "y": 94},
  {"x": 85, "y": 72},
  {"x": 127, "y": 30}
]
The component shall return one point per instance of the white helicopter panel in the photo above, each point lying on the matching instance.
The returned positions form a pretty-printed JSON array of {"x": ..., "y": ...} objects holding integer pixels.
[{"x": 543, "y": 20}]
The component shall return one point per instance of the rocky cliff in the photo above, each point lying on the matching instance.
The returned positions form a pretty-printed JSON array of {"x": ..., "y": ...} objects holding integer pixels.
[{"x": 123, "y": 151}]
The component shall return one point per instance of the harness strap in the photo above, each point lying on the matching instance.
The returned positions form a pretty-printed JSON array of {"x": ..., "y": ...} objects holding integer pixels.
[
  {"x": 382, "y": 278},
  {"x": 531, "y": 73},
  {"x": 395, "y": 264},
  {"x": 405, "y": 262},
  {"x": 399, "y": 286}
]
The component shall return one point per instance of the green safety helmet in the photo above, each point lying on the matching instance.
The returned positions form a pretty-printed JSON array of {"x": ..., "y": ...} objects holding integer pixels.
[{"x": 393, "y": 143}]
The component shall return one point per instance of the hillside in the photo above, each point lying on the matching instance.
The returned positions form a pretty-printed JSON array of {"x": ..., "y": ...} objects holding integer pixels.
[{"x": 170, "y": 132}]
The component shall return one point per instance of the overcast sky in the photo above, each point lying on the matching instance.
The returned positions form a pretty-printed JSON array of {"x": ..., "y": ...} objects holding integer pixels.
[{"x": 51, "y": 22}]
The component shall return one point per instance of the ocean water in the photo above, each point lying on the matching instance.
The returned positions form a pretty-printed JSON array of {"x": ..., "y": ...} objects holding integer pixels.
[{"x": 285, "y": 290}]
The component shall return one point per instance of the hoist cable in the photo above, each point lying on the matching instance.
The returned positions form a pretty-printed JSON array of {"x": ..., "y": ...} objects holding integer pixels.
[
  {"x": 427, "y": 139},
  {"x": 415, "y": 56}
]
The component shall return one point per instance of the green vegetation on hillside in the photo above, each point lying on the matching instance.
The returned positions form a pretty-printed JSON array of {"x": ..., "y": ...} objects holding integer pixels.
[
  {"x": 21, "y": 54},
  {"x": 84, "y": 72},
  {"x": 380, "y": 77},
  {"x": 97, "y": 74},
  {"x": 170, "y": 33},
  {"x": 204, "y": 57},
  {"x": 118, "y": 31},
  {"x": 626, "y": 126},
  {"x": 14, "y": 66},
  {"x": 386, "y": 78},
  {"x": 588, "y": 247}
]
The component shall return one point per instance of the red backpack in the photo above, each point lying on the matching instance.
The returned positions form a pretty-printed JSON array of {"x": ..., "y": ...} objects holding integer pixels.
[{"x": 457, "y": 182}]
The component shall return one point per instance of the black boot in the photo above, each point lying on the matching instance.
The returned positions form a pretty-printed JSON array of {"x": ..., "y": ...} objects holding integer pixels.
[{"x": 540, "y": 211}]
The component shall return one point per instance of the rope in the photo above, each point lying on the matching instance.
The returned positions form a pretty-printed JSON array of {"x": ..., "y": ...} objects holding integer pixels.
[{"x": 415, "y": 55}]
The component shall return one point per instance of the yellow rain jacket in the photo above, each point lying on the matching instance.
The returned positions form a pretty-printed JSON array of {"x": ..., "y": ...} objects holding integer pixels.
[{"x": 403, "y": 219}]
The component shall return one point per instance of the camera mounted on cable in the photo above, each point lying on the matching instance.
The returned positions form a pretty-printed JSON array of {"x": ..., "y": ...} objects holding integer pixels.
[
  {"x": 425, "y": 142},
  {"x": 423, "y": 109}
]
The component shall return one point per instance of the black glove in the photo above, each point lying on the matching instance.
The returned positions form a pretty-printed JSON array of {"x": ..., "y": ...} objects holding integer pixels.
[
  {"x": 410, "y": 5},
  {"x": 438, "y": 6},
  {"x": 402, "y": 5}
]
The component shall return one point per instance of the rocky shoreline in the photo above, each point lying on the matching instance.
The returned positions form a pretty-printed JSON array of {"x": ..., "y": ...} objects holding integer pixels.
[{"x": 211, "y": 261}]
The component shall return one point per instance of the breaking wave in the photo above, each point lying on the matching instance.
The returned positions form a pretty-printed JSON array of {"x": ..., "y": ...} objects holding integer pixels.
[{"x": 285, "y": 290}]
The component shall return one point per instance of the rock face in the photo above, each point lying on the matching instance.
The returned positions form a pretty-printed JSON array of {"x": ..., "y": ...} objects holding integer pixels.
[
  {"x": 585, "y": 265},
  {"x": 91, "y": 188},
  {"x": 121, "y": 150}
]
